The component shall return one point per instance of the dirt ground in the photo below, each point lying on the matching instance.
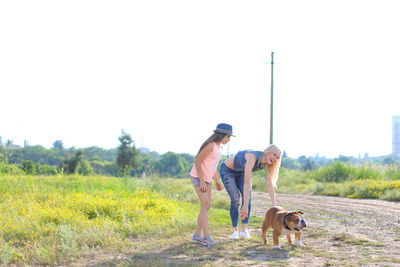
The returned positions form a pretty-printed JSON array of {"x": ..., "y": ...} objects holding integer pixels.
[{"x": 340, "y": 232}]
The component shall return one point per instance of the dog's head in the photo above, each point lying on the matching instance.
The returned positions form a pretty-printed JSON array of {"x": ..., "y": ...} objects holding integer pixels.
[{"x": 295, "y": 220}]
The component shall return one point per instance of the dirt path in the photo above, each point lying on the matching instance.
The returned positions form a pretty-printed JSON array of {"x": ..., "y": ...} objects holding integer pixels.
[
  {"x": 340, "y": 232},
  {"x": 344, "y": 231}
]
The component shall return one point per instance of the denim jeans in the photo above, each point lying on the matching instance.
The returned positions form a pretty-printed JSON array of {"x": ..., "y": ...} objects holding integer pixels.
[{"x": 234, "y": 184}]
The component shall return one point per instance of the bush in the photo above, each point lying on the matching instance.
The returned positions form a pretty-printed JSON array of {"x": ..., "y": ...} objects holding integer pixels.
[
  {"x": 335, "y": 172},
  {"x": 84, "y": 168},
  {"x": 10, "y": 169},
  {"x": 392, "y": 172},
  {"x": 339, "y": 172},
  {"x": 28, "y": 167},
  {"x": 339, "y": 179},
  {"x": 391, "y": 194},
  {"x": 46, "y": 169},
  {"x": 110, "y": 168}
]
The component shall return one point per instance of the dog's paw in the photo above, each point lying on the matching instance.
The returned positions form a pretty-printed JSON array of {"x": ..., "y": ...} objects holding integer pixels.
[
  {"x": 299, "y": 244},
  {"x": 276, "y": 247}
]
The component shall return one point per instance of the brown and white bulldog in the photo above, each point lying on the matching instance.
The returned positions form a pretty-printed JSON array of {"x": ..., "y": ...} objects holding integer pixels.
[{"x": 283, "y": 222}]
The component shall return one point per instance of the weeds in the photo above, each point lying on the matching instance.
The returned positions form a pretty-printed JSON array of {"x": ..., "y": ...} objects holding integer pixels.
[
  {"x": 51, "y": 220},
  {"x": 339, "y": 179}
]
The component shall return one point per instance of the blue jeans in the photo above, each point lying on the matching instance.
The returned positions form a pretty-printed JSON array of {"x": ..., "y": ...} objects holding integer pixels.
[{"x": 234, "y": 184}]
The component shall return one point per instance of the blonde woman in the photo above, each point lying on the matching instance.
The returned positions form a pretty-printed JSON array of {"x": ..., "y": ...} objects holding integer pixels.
[{"x": 236, "y": 173}]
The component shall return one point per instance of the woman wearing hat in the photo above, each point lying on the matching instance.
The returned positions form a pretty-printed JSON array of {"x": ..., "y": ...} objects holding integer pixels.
[
  {"x": 236, "y": 174},
  {"x": 203, "y": 170}
]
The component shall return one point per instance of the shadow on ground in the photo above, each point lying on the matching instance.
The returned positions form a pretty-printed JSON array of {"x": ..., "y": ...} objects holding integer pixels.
[{"x": 225, "y": 253}]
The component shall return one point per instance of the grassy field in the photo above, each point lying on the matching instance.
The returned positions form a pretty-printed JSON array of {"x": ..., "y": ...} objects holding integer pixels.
[
  {"x": 54, "y": 220},
  {"x": 49, "y": 220},
  {"x": 339, "y": 179}
]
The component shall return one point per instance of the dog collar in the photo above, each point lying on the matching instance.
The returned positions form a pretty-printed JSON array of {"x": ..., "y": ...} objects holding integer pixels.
[{"x": 284, "y": 223}]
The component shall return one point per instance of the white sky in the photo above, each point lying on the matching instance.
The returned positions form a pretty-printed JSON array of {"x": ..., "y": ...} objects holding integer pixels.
[{"x": 168, "y": 71}]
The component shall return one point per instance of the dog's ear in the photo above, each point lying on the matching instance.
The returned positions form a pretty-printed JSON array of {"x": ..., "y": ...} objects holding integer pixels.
[
  {"x": 291, "y": 213},
  {"x": 299, "y": 212}
]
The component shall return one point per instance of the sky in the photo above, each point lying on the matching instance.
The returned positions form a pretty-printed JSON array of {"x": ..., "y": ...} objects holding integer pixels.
[{"x": 167, "y": 72}]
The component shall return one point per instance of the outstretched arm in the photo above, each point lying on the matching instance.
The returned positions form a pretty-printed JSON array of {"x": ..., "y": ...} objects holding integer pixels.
[
  {"x": 248, "y": 168},
  {"x": 270, "y": 188}
]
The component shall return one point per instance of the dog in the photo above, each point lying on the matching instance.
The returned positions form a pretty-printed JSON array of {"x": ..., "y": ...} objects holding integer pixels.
[{"x": 283, "y": 222}]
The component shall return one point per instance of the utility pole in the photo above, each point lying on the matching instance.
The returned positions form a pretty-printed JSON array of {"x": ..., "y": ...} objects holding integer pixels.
[{"x": 271, "y": 121}]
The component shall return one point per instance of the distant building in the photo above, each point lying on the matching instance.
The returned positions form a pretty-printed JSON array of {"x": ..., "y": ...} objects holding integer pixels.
[{"x": 396, "y": 136}]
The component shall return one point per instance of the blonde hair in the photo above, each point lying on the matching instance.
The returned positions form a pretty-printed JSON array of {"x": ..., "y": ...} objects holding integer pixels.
[{"x": 273, "y": 169}]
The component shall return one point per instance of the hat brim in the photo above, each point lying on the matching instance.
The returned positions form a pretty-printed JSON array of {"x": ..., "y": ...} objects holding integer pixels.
[{"x": 216, "y": 131}]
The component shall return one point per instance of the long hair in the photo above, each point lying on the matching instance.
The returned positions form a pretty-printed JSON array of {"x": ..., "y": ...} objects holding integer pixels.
[
  {"x": 215, "y": 137},
  {"x": 273, "y": 169}
]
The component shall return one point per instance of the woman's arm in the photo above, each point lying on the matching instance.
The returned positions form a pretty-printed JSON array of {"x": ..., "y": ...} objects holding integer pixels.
[
  {"x": 270, "y": 188},
  {"x": 248, "y": 169},
  {"x": 218, "y": 184}
]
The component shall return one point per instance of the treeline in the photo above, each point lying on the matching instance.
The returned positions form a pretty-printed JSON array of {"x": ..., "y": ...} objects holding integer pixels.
[
  {"x": 127, "y": 160},
  {"x": 304, "y": 163}
]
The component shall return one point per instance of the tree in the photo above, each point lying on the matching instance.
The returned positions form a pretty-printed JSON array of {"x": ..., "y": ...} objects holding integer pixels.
[
  {"x": 37, "y": 154},
  {"x": 188, "y": 161},
  {"x": 128, "y": 155},
  {"x": 70, "y": 164},
  {"x": 58, "y": 145},
  {"x": 289, "y": 163},
  {"x": 6, "y": 155},
  {"x": 9, "y": 143},
  {"x": 96, "y": 164},
  {"x": 29, "y": 167},
  {"x": 146, "y": 164},
  {"x": 84, "y": 168},
  {"x": 344, "y": 159},
  {"x": 171, "y": 164},
  {"x": 306, "y": 163},
  {"x": 389, "y": 160}
]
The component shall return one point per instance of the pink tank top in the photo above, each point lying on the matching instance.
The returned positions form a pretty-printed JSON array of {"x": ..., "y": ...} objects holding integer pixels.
[{"x": 209, "y": 165}]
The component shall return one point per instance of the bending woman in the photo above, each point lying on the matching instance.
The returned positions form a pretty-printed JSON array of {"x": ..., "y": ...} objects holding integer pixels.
[{"x": 236, "y": 174}]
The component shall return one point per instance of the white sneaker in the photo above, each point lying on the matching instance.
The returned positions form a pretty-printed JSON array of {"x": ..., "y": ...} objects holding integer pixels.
[
  {"x": 235, "y": 235},
  {"x": 245, "y": 234}
]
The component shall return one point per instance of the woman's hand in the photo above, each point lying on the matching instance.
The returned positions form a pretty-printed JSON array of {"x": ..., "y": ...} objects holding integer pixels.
[
  {"x": 203, "y": 186},
  {"x": 244, "y": 213},
  {"x": 218, "y": 185}
]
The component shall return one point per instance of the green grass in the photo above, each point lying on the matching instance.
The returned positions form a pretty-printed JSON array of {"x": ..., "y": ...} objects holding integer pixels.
[
  {"x": 364, "y": 181},
  {"x": 52, "y": 220},
  {"x": 345, "y": 239}
]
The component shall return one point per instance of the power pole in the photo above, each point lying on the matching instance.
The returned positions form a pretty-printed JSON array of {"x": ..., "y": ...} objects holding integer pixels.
[{"x": 271, "y": 121}]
